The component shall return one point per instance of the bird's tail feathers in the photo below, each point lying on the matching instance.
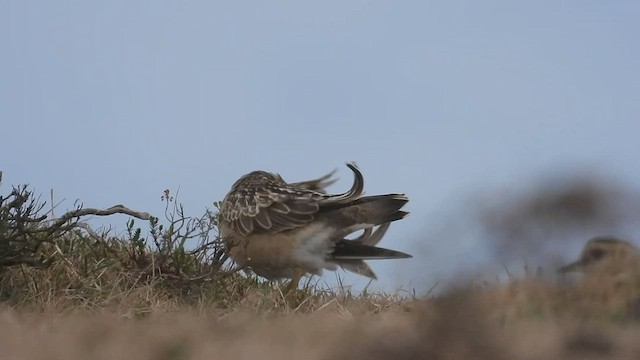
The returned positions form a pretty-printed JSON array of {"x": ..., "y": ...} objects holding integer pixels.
[{"x": 367, "y": 212}]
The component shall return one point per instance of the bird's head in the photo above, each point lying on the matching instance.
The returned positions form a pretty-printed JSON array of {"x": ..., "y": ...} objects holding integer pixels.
[{"x": 605, "y": 253}]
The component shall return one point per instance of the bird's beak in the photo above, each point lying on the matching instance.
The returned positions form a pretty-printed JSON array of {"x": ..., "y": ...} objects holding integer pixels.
[{"x": 573, "y": 267}]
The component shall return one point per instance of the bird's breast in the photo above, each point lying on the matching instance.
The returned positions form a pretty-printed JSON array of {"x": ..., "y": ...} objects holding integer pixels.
[{"x": 279, "y": 254}]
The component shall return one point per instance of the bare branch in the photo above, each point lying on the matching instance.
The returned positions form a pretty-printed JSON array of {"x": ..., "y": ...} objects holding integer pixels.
[{"x": 116, "y": 209}]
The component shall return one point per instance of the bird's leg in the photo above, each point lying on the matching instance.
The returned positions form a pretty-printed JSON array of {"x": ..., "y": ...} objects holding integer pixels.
[
  {"x": 292, "y": 295},
  {"x": 295, "y": 279}
]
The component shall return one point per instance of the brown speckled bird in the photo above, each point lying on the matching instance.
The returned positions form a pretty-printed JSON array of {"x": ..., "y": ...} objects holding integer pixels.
[
  {"x": 605, "y": 255},
  {"x": 287, "y": 230}
]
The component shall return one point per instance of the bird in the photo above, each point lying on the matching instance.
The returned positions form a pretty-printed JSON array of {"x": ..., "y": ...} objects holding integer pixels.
[
  {"x": 611, "y": 277},
  {"x": 286, "y": 230},
  {"x": 605, "y": 255}
]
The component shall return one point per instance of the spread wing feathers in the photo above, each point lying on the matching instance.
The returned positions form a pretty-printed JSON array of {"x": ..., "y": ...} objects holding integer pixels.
[
  {"x": 320, "y": 184},
  {"x": 262, "y": 202},
  {"x": 350, "y": 255},
  {"x": 353, "y": 250},
  {"x": 372, "y": 238},
  {"x": 353, "y": 193},
  {"x": 358, "y": 267},
  {"x": 369, "y": 238}
]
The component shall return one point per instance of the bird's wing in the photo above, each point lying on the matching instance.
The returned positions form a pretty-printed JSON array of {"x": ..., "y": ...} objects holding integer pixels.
[
  {"x": 320, "y": 184},
  {"x": 372, "y": 238},
  {"x": 265, "y": 204},
  {"x": 261, "y": 202}
]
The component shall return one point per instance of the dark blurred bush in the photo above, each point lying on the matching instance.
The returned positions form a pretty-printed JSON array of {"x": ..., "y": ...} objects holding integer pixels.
[{"x": 555, "y": 215}]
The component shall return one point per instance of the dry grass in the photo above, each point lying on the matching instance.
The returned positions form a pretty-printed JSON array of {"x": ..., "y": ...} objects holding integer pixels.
[
  {"x": 524, "y": 319},
  {"x": 102, "y": 297},
  {"x": 52, "y": 314},
  {"x": 59, "y": 313}
]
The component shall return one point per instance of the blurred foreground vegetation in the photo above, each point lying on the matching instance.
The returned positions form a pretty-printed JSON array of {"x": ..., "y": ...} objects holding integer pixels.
[{"x": 59, "y": 273}]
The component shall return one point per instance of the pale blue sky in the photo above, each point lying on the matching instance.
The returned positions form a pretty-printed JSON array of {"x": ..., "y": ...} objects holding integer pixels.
[{"x": 112, "y": 102}]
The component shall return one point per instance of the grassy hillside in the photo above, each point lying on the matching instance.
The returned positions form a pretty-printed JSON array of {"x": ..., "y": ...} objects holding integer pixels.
[{"x": 68, "y": 291}]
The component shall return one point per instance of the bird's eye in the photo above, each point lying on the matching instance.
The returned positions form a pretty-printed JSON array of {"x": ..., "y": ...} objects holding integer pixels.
[{"x": 596, "y": 254}]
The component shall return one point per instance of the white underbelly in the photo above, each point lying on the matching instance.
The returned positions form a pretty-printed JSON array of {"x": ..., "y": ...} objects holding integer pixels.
[{"x": 313, "y": 247}]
